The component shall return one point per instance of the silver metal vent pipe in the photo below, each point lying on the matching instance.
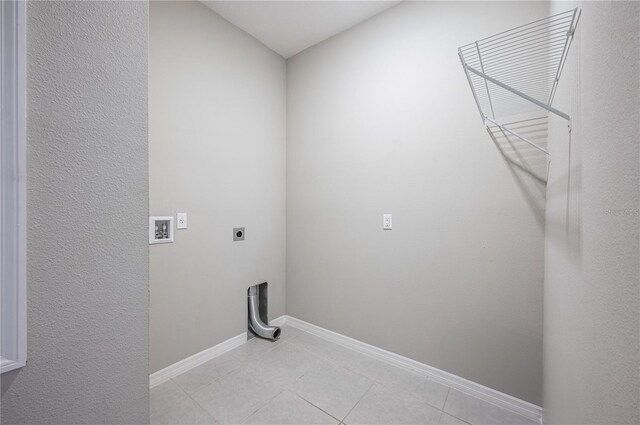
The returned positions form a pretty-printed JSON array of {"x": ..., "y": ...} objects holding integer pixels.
[{"x": 255, "y": 323}]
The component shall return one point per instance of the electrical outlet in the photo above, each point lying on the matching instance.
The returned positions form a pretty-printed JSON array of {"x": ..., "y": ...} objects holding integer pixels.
[{"x": 387, "y": 222}]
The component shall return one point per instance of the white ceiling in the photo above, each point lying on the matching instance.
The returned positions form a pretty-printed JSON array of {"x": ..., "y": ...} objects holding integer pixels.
[{"x": 288, "y": 27}]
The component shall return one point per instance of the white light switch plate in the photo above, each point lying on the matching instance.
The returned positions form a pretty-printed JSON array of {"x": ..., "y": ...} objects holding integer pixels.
[
  {"x": 181, "y": 221},
  {"x": 387, "y": 222}
]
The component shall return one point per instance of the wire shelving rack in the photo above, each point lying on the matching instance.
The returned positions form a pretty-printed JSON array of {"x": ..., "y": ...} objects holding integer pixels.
[{"x": 514, "y": 76}]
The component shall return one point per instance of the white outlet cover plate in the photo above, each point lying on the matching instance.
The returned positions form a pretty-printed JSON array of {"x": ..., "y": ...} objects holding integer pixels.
[
  {"x": 387, "y": 221},
  {"x": 181, "y": 221}
]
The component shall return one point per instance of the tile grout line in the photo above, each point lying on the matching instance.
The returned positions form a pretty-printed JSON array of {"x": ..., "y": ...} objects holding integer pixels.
[
  {"x": 358, "y": 402},
  {"x": 245, "y": 363},
  {"x": 377, "y": 380},
  {"x": 265, "y": 404},
  {"x": 446, "y": 398},
  {"x": 243, "y": 421},
  {"x": 295, "y": 341},
  {"x": 443, "y": 405},
  {"x": 208, "y": 385},
  {"x": 524, "y": 409},
  {"x": 323, "y": 411},
  {"x": 204, "y": 386},
  {"x": 201, "y": 406},
  {"x": 337, "y": 366},
  {"x": 192, "y": 399},
  {"x": 390, "y": 387},
  {"x": 447, "y": 413},
  {"x": 336, "y": 362},
  {"x": 373, "y": 380},
  {"x": 218, "y": 378}
]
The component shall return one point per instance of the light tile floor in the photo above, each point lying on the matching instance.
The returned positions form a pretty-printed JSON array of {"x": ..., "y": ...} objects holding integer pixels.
[{"x": 303, "y": 379}]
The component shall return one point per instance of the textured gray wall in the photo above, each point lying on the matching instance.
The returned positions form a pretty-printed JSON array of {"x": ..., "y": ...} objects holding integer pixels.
[
  {"x": 381, "y": 120},
  {"x": 87, "y": 227},
  {"x": 592, "y": 250},
  {"x": 217, "y": 152}
]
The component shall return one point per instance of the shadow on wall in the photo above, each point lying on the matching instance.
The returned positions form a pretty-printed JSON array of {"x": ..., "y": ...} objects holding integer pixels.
[
  {"x": 565, "y": 227},
  {"x": 528, "y": 165},
  {"x": 7, "y": 379}
]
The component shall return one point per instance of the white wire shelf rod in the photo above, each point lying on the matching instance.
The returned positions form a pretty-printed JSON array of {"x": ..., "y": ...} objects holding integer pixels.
[
  {"x": 537, "y": 131},
  {"x": 543, "y": 64},
  {"x": 509, "y": 38},
  {"x": 524, "y": 139},
  {"x": 565, "y": 51},
  {"x": 538, "y": 91},
  {"x": 533, "y": 38},
  {"x": 530, "y": 25},
  {"x": 524, "y": 85},
  {"x": 506, "y": 101},
  {"x": 486, "y": 85},
  {"x": 524, "y": 50},
  {"x": 540, "y": 64},
  {"x": 473, "y": 90},
  {"x": 547, "y": 26},
  {"x": 540, "y": 68},
  {"x": 559, "y": 27},
  {"x": 543, "y": 118},
  {"x": 522, "y": 56},
  {"x": 519, "y": 93}
]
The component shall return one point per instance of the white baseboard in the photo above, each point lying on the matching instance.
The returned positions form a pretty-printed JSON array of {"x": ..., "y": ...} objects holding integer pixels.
[
  {"x": 521, "y": 407},
  {"x": 197, "y": 359},
  {"x": 278, "y": 321}
]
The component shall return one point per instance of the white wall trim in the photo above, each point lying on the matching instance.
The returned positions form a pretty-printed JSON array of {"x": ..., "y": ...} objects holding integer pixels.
[
  {"x": 521, "y": 407},
  {"x": 195, "y": 360},
  {"x": 278, "y": 321},
  {"x": 204, "y": 356},
  {"x": 13, "y": 282}
]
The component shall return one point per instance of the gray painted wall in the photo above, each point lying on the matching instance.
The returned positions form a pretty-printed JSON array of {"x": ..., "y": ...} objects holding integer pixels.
[
  {"x": 217, "y": 116},
  {"x": 87, "y": 228},
  {"x": 381, "y": 120},
  {"x": 592, "y": 249}
]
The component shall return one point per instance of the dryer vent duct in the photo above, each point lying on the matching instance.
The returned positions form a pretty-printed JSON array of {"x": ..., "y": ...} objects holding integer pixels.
[{"x": 257, "y": 302}]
